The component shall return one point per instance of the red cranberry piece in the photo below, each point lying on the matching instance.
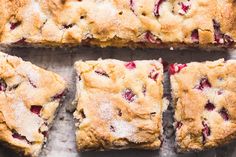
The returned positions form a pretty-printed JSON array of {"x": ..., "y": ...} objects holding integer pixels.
[
  {"x": 206, "y": 131},
  {"x": 153, "y": 75},
  {"x": 209, "y": 106},
  {"x": 45, "y": 133},
  {"x": 181, "y": 66},
  {"x": 152, "y": 38},
  {"x": 60, "y": 95},
  {"x": 195, "y": 36},
  {"x": 204, "y": 83},
  {"x": 129, "y": 95},
  {"x": 130, "y": 65},
  {"x": 224, "y": 114},
  {"x": 3, "y": 85},
  {"x": 157, "y": 7},
  {"x": 172, "y": 69},
  {"x": 184, "y": 8},
  {"x": 175, "y": 68},
  {"x": 101, "y": 72},
  {"x": 217, "y": 32},
  {"x": 178, "y": 125},
  {"x": 220, "y": 37},
  {"x": 21, "y": 41},
  {"x": 13, "y": 25},
  {"x": 219, "y": 92},
  {"x": 20, "y": 137},
  {"x": 36, "y": 109}
]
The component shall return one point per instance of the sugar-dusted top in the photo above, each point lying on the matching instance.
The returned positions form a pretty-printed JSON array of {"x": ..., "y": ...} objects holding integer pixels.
[
  {"x": 118, "y": 22},
  {"x": 119, "y": 104}
]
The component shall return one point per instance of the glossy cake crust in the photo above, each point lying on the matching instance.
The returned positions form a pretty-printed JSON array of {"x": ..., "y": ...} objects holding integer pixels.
[
  {"x": 205, "y": 96},
  {"x": 137, "y": 23},
  {"x": 119, "y": 104},
  {"x": 29, "y": 99}
]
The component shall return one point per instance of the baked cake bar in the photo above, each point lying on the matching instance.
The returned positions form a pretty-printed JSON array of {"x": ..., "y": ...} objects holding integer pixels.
[
  {"x": 119, "y": 104},
  {"x": 29, "y": 99},
  {"x": 205, "y": 103},
  {"x": 142, "y": 23}
]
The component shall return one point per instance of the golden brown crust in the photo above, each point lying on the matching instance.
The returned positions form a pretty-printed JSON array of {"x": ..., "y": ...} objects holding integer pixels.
[
  {"x": 29, "y": 97},
  {"x": 3, "y": 15},
  {"x": 204, "y": 95},
  {"x": 119, "y": 107},
  {"x": 119, "y": 22}
]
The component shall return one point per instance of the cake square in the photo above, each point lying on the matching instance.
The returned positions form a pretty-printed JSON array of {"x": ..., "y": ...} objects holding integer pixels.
[
  {"x": 119, "y": 104},
  {"x": 29, "y": 99},
  {"x": 204, "y": 95}
]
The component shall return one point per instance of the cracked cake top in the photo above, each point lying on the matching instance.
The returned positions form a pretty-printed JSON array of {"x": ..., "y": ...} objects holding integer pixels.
[{"x": 118, "y": 22}]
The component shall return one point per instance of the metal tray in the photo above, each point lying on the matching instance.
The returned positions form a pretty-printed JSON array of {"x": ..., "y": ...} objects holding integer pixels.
[{"x": 61, "y": 141}]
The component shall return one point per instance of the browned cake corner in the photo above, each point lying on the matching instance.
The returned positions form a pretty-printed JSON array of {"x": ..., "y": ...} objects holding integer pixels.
[
  {"x": 134, "y": 23},
  {"x": 29, "y": 99},
  {"x": 205, "y": 103},
  {"x": 119, "y": 104}
]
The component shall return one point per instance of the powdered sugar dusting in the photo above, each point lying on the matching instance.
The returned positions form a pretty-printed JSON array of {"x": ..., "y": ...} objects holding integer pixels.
[
  {"x": 103, "y": 9},
  {"x": 33, "y": 11},
  {"x": 106, "y": 111},
  {"x": 36, "y": 7},
  {"x": 123, "y": 129},
  {"x": 26, "y": 122},
  {"x": 31, "y": 73},
  {"x": 107, "y": 7}
]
